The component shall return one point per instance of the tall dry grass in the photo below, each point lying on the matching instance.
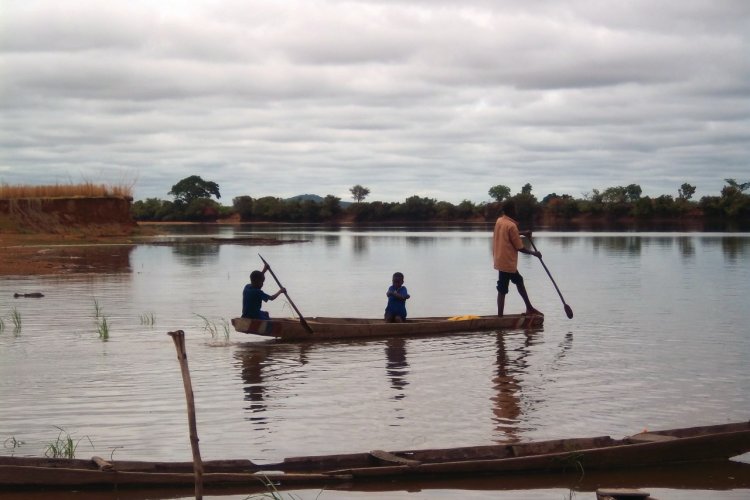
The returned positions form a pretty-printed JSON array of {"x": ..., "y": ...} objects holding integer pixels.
[{"x": 85, "y": 189}]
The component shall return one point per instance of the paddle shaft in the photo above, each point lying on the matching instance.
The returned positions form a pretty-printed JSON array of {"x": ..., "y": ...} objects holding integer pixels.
[
  {"x": 301, "y": 318},
  {"x": 568, "y": 309}
]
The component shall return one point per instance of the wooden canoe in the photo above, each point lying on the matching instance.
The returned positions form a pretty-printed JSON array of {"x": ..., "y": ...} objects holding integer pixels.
[
  {"x": 685, "y": 445},
  {"x": 655, "y": 448},
  {"x": 341, "y": 328}
]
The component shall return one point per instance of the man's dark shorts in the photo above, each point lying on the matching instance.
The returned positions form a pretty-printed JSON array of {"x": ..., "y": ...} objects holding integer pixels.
[{"x": 504, "y": 278}]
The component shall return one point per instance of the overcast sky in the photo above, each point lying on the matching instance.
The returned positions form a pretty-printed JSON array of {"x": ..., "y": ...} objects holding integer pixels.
[{"x": 437, "y": 98}]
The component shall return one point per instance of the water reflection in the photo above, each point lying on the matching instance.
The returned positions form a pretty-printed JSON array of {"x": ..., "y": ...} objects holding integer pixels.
[
  {"x": 686, "y": 246},
  {"x": 660, "y": 241},
  {"x": 332, "y": 240},
  {"x": 735, "y": 248},
  {"x": 396, "y": 365},
  {"x": 359, "y": 244},
  {"x": 260, "y": 363},
  {"x": 94, "y": 259},
  {"x": 732, "y": 247},
  {"x": 562, "y": 242},
  {"x": 252, "y": 361},
  {"x": 196, "y": 254},
  {"x": 421, "y": 240},
  {"x": 629, "y": 245},
  {"x": 565, "y": 345},
  {"x": 510, "y": 368}
]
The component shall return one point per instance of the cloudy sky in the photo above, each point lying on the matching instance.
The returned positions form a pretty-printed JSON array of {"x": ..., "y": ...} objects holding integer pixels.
[{"x": 437, "y": 98}]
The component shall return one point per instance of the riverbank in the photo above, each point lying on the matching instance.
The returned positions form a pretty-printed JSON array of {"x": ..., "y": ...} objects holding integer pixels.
[
  {"x": 35, "y": 254},
  {"x": 28, "y": 250},
  {"x": 30, "y": 254}
]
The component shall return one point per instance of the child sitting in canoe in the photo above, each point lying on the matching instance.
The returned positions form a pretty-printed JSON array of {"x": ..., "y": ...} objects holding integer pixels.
[
  {"x": 395, "y": 310},
  {"x": 253, "y": 297}
]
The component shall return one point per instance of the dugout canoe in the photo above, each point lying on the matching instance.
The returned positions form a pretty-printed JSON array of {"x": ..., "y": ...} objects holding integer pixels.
[
  {"x": 648, "y": 448},
  {"x": 655, "y": 448},
  {"x": 342, "y": 328}
]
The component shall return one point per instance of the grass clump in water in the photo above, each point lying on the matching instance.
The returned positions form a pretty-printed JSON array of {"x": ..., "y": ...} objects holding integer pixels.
[
  {"x": 15, "y": 316},
  {"x": 148, "y": 319},
  {"x": 64, "y": 446},
  {"x": 272, "y": 493},
  {"x": 97, "y": 309},
  {"x": 102, "y": 327},
  {"x": 222, "y": 330},
  {"x": 102, "y": 324},
  {"x": 12, "y": 444}
]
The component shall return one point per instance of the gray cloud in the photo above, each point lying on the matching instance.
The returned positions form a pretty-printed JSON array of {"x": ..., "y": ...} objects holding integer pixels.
[{"x": 437, "y": 98}]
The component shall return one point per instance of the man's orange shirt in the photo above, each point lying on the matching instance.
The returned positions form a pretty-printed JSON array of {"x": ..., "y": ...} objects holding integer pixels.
[{"x": 506, "y": 242}]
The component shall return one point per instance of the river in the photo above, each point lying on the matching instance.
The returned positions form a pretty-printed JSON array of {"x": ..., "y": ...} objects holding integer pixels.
[{"x": 659, "y": 339}]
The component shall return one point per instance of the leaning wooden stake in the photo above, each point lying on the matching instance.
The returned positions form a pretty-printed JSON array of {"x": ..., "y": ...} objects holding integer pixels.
[{"x": 179, "y": 343}]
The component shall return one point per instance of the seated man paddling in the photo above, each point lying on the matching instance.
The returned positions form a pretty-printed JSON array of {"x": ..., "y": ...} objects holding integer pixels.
[{"x": 253, "y": 297}]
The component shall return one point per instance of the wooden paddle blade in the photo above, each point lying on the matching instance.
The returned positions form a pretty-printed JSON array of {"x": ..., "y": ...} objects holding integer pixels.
[
  {"x": 568, "y": 311},
  {"x": 304, "y": 322}
]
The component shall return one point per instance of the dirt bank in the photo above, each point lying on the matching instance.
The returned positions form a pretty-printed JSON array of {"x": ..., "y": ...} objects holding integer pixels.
[{"x": 52, "y": 235}]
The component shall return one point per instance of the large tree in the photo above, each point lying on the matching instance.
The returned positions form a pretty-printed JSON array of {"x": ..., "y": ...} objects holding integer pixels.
[
  {"x": 359, "y": 193},
  {"x": 499, "y": 192},
  {"x": 633, "y": 192},
  {"x": 733, "y": 186},
  {"x": 192, "y": 188},
  {"x": 243, "y": 205},
  {"x": 686, "y": 191}
]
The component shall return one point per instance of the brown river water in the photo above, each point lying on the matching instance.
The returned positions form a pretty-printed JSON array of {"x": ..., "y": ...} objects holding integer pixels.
[{"x": 660, "y": 339}]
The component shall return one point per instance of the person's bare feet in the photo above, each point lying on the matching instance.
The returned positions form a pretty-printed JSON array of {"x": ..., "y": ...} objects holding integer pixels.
[{"x": 533, "y": 312}]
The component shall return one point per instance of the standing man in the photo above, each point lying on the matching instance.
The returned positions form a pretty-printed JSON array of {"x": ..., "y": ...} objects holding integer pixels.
[{"x": 506, "y": 243}]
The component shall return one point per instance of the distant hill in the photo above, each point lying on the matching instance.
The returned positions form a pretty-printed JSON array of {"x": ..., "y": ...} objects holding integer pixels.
[{"x": 316, "y": 199}]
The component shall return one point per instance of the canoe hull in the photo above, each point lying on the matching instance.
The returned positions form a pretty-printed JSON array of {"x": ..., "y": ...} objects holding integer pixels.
[
  {"x": 341, "y": 328},
  {"x": 677, "y": 446},
  {"x": 619, "y": 456},
  {"x": 24, "y": 477},
  {"x": 658, "y": 448}
]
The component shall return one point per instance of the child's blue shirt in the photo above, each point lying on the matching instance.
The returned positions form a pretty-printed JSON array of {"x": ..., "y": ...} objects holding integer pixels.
[{"x": 396, "y": 307}]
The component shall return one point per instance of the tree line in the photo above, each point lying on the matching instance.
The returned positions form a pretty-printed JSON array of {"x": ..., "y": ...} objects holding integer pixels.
[{"x": 192, "y": 201}]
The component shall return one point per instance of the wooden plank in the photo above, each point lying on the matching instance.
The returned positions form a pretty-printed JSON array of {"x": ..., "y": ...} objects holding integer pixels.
[
  {"x": 650, "y": 437},
  {"x": 621, "y": 493},
  {"x": 101, "y": 463},
  {"x": 391, "y": 458}
]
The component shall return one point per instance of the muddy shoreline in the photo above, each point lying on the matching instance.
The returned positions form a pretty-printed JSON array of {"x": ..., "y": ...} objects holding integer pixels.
[{"x": 51, "y": 254}]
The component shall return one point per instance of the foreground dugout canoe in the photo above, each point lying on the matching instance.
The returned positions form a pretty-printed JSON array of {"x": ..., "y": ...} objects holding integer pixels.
[
  {"x": 685, "y": 445},
  {"x": 715, "y": 475},
  {"x": 655, "y": 448},
  {"x": 341, "y": 328}
]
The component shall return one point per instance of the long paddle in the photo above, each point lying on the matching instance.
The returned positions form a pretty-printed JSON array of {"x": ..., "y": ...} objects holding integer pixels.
[
  {"x": 568, "y": 310},
  {"x": 301, "y": 318}
]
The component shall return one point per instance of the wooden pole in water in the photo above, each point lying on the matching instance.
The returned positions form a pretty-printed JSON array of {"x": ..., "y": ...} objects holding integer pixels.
[{"x": 179, "y": 343}]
